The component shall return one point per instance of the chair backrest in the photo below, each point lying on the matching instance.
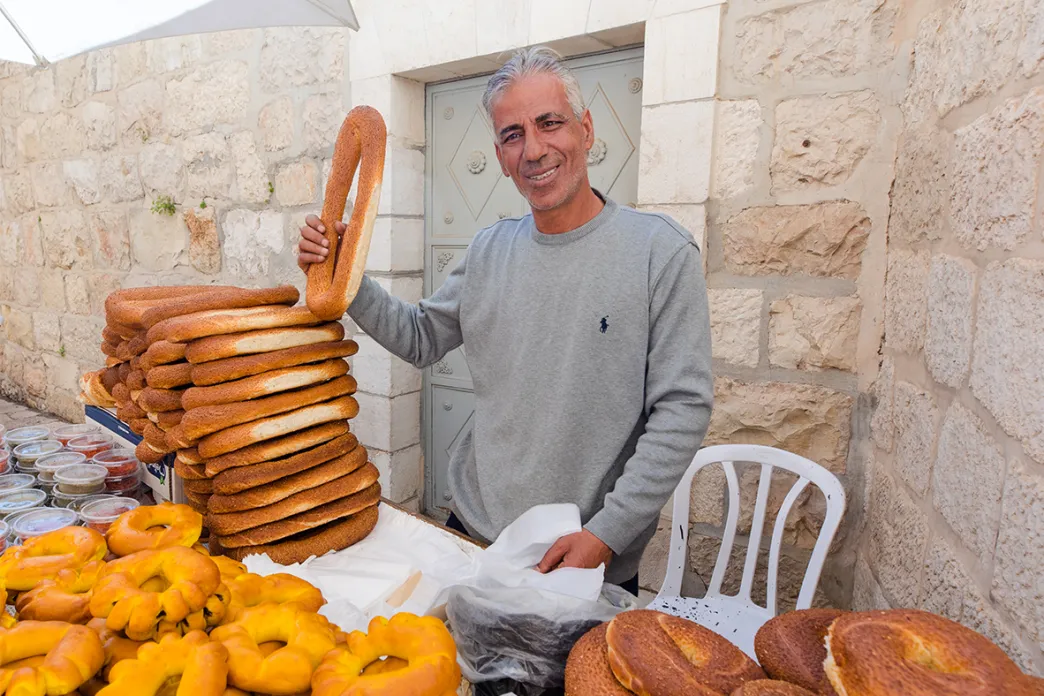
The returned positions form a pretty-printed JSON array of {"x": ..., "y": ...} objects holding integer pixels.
[{"x": 769, "y": 458}]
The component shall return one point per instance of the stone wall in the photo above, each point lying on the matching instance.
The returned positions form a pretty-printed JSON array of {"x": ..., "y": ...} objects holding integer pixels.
[{"x": 956, "y": 487}]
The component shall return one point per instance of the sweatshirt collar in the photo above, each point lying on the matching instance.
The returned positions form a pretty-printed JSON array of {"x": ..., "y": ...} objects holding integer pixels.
[{"x": 605, "y": 215}]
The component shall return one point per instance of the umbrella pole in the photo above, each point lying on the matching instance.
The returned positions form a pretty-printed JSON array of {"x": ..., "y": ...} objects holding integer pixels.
[{"x": 18, "y": 30}]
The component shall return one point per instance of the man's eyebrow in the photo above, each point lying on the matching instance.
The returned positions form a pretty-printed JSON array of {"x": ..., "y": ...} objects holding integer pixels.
[{"x": 542, "y": 118}]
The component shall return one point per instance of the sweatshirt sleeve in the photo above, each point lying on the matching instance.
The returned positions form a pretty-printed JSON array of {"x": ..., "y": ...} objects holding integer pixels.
[
  {"x": 421, "y": 333},
  {"x": 679, "y": 393}
]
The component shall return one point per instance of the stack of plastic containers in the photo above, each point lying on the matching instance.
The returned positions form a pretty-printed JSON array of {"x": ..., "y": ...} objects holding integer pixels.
[{"x": 124, "y": 471}]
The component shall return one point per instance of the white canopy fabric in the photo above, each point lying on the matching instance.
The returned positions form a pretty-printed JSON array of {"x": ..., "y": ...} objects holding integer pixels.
[{"x": 44, "y": 31}]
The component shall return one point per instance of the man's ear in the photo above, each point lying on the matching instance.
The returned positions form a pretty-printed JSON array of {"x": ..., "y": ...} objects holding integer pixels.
[{"x": 587, "y": 123}]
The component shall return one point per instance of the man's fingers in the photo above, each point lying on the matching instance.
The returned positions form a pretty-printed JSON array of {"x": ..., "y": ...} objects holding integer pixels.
[
  {"x": 340, "y": 227},
  {"x": 304, "y": 260},
  {"x": 314, "y": 236},
  {"x": 314, "y": 222},
  {"x": 307, "y": 247},
  {"x": 554, "y": 556}
]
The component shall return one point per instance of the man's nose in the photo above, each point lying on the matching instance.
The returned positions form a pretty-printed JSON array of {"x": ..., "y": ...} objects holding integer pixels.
[{"x": 535, "y": 148}]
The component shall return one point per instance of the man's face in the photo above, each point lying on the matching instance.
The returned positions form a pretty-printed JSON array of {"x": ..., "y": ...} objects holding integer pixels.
[{"x": 540, "y": 143}]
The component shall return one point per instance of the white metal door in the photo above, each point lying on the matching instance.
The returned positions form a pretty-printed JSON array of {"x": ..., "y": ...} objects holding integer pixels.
[{"x": 466, "y": 191}]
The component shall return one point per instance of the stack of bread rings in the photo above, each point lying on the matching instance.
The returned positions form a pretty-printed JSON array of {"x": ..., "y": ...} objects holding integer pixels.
[
  {"x": 251, "y": 392},
  {"x": 811, "y": 652},
  {"x": 145, "y": 610}
]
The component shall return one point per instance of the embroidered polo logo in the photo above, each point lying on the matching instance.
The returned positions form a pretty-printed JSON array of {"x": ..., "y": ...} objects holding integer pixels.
[{"x": 605, "y": 324}]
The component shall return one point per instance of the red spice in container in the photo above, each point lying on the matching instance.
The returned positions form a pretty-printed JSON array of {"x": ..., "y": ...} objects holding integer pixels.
[
  {"x": 119, "y": 462},
  {"x": 5, "y": 461},
  {"x": 64, "y": 433},
  {"x": 90, "y": 445},
  {"x": 100, "y": 514},
  {"x": 120, "y": 485}
]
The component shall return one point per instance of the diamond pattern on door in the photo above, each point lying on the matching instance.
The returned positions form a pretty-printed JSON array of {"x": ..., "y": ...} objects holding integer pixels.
[
  {"x": 612, "y": 147},
  {"x": 474, "y": 168}
]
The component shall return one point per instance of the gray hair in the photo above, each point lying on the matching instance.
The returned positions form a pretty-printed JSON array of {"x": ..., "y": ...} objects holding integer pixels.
[{"x": 537, "y": 60}]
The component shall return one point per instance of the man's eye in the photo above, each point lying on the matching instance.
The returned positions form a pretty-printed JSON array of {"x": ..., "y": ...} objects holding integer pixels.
[{"x": 512, "y": 136}]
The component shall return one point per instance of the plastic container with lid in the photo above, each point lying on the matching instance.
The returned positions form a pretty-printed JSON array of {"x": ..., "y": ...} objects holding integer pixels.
[
  {"x": 46, "y": 466},
  {"x": 73, "y": 501},
  {"x": 28, "y": 453},
  {"x": 5, "y": 461},
  {"x": 5, "y": 532},
  {"x": 92, "y": 444},
  {"x": 16, "y": 482},
  {"x": 119, "y": 484},
  {"x": 64, "y": 433},
  {"x": 43, "y": 520},
  {"x": 19, "y": 436},
  {"x": 100, "y": 514},
  {"x": 120, "y": 462},
  {"x": 16, "y": 501},
  {"x": 81, "y": 479}
]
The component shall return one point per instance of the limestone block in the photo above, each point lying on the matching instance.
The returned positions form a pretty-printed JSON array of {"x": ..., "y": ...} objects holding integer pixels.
[
  {"x": 251, "y": 176},
  {"x": 996, "y": 161},
  {"x": 83, "y": 176},
  {"x": 916, "y": 416},
  {"x": 100, "y": 71},
  {"x": 221, "y": 42},
  {"x": 119, "y": 178},
  {"x": 47, "y": 332},
  {"x": 802, "y": 526},
  {"x": 806, "y": 419},
  {"x": 49, "y": 185},
  {"x": 821, "y": 140},
  {"x": 18, "y": 326},
  {"x": 250, "y": 239},
  {"x": 80, "y": 336},
  {"x": 10, "y": 236},
  {"x": 897, "y": 533},
  {"x": 77, "y": 294},
  {"x": 110, "y": 232},
  {"x": 947, "y": 345},
  {"x": 735, "y": 317},
  {"x": 921, "y": 192},
  {"x": 401, "y": 473},
  {"x": 400, "y": 101},
  {"x": 204, "y": 245},
  {"x": 297, "y": 183},
  {"x": 130, "y": 63},
  {"x": 738, "y": 139},
  {"x": 32, "y": 236},
  {"x": 681, "y": 56},
  {"x": 215, "y": 93},
  {"x": 388, "y": 424},
  {"x": 208, "y": 167},
  {"x": 61, "y": 135},
  {"x": 157, "y": 242},
  {"x": 821, "y": 239},
  {"x": 968, "y": 480},
  {"x": 102, "y": 285},
  {"x": 295, "y": 57},
  {"x": 38, "y": 93},
  {"x": 321, "y": 119},
  {"x": 99, "y": 125},
  {"x": 381, "y": 373},
  {"x": 26, "y": 287},
  {"x": 161, "y": 169},
  {"x": 64, "y": 374},
  {"x": 35, "y": 378},
  {"x": 403, "y": 189},
  {"x": 882, "y": 423},
  {"x": 1007, "y": 373},
  {"x": 676, "y": 153},
  {"x": 18, "y": 193},
  {"x": 11, "y": 100},
  {"x": 173, "y": 53},
  {"x": 815, "y": 41},
  {"x": 6, "y": 293},
  {"x": 397, "y": 245},
  {"x": 866, "y": 593},
  {"x": 71, "y": 79},
  {"x": 276, "y": 122},
  {"x": 140, "y": 111},
  {"x": 1031, "y": 51},
  {"x": 906, "y": 300},
  {"x": 814, "y": 333},
  {"x": 27, "y": 140},
  {"x": 66, "y": 243},
  {"x": 1019, "y": 557}
]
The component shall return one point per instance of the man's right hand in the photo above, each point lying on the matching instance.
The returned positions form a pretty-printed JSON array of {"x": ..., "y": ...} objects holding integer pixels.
[{"x": 313, "y": 247}]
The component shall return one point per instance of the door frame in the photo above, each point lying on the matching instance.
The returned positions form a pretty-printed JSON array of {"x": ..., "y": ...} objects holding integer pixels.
[{"x": 608, "y": 56}]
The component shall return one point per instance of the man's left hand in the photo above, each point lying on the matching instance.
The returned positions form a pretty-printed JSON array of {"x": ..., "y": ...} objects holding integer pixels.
[{"x": 580, "y": 550}]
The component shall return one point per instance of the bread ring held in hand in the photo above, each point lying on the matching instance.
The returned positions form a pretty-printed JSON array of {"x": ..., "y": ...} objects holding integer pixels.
[
  {"x": 43, "y": 557},
  {"x": 423, "y": 642},
  {"x": 332, "y": 284},
  {"x": 66, "y": 598},
  {"x": 70, "y": 656},
  {"x": 152, "y": 527},
  {"x": 190, "y": 580},
  {"x": 288, "y": 670},
  {"x": 198, "y": 665},
  {"x": 907, "y": 652}
]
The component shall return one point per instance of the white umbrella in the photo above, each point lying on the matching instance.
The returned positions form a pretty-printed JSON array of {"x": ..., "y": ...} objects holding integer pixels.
[{"x": 44, "y": 31}]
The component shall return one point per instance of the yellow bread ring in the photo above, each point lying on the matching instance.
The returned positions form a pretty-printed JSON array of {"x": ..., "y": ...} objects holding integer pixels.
[
  {"x": 229, "y": 569},
  {"x": 66, "y": 598},
  {"x": 212, "y": 614},
  {"x": 7, "y": 620},
  {"x": 117, "y": 647},
  {"x": 199, "y": 665},
  {"x": 288, "y": 670},
  {"x": 70, "y": 656},
  {"x": 118, "y": 597},
  {"x": 43, "y": 557},
  {"x": 151, "y": 527},
  {"x": 423, "y": 642},
  {"x": 251, "y": 589}
]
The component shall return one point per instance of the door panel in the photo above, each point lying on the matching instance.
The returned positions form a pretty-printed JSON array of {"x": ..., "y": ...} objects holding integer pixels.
[{"x": 466, "y": 191}]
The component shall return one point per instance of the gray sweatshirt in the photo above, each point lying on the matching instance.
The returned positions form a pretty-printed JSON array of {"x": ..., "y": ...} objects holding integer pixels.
[{"x": 590, "y": 354}]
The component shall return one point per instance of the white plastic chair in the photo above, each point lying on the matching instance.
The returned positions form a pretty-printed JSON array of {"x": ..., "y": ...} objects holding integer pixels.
[{"x": 738, "y": 618}]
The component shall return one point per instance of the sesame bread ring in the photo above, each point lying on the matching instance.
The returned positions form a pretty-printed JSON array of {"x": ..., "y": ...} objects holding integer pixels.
[
  {"x": 249, "y": 590},
  {"x": 162, "y": 353},
  {"x": 791, "y": 647},
  {"x": 222, "y": 298},
  {"x": 65, "y": 598},
  {"x": 423, "y": 642},
  {"x": 158, "y": 400},
  {"x": 198, "y": 666},
  {"x": 243, "y": 478},
  {"x": 337, "y": 535},
  {"x": 170, "y": 376},
  {"x": 587, "y": 671},
  {"x": 71, "y": 655},
  {"x": 271, "y": 382},
  {"x": 263, "y": 341},
  {"x": 150, "y": 527},
  {"x": 217, "y": 322},
  {"x": 43, "y": 557},
  {"x": 190, "y": 455},
  {"x": 189, "y": 472},
  {"x": 190, "y": 579},
  {"x": 239, "y": 436},
  {"x": 771, "y": 687},
  {"x": 307, "y": 637},
  {"x": 229, "y": 369},
  {"x": 273, "y": 449}
]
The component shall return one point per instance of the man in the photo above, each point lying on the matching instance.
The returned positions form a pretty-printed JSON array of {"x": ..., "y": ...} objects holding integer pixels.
[{"x": 586, "y": 331}]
